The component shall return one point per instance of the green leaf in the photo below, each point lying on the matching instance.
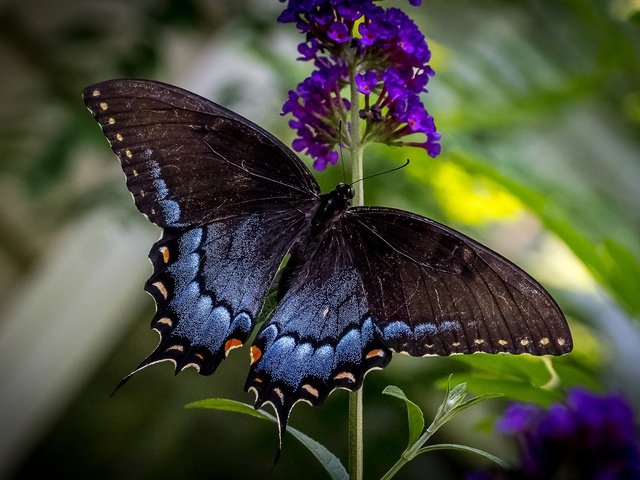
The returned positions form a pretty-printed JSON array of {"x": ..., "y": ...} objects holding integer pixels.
[
  {"x": 465, "y": 448},
  {"x": 513, "y": 389},
  {"x": 524, "y": 368},
  {"x": 415, "y": 416},
  {"x": 228, "y": 405},
  {"x": 623, "y": 271},
  {"x": 328, "y": 460},
  {"x": 480, "y": 398}
]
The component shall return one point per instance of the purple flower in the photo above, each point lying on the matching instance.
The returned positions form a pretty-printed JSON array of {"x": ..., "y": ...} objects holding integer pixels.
[
  {"x": 589, "y": 436},
  {"x": 388, "y": 55},
  {"x": 366, "y": 82},
  {"x": 338, "y": 32},
  {"x": 368, "y": 33},
  {"x": 309, "y": 49}
]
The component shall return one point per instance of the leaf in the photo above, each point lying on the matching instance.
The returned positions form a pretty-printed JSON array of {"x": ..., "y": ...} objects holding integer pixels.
[
  {"x": 328, "y": 460},
  {"x": 465, "y": 448},
  {"x": 472, "y": 401},
  {"x": 513, "y": 389},
  {"x": 624, "y": 273},
  {"x": 509, "y": 367},
  {"x": 415, "y": 416},
  {"x": 227, "y": 405}
]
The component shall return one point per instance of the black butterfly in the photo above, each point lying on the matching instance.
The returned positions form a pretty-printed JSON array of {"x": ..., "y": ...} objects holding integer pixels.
[{"x": 360, "y": 282}]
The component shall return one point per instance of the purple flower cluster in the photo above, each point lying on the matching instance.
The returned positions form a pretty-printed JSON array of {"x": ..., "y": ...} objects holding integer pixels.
[
  {"x": 383, "y": 52},
  {"x": 589, "y": 437}
]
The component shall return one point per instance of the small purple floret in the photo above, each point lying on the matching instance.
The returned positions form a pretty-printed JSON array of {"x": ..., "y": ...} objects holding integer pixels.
[
  {"x": 338, "y": 32},
  {"x": 367, "y": 82}
]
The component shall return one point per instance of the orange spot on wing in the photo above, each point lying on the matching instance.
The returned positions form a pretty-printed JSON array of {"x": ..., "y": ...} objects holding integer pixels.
[
  {"x": 345, "y": 376},
  {"x": 230, "y": 345},
  {"x": 256, "y": 353},
  {"x": 313, "y": 391},
  {"x": 165, "y": 254},
  {"x": 375, "y": 353},
  {"x": 162, "y": 289},
  {"x": 166, "y": 321}
]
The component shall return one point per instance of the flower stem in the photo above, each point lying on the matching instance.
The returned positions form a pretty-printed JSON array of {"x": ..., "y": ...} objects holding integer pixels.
[
  {"x": 355, "y": 435},
  {"x": 356, "y": 147},
  {"x": 355, "y": 398},
  {"x": 410, "y": 453}
]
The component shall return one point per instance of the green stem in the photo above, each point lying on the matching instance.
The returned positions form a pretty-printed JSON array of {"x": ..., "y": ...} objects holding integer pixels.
[
  {"x": 411, "y": 452},
  {"x": 355, "y": 435},
  {"x": 356, "y": 147},
  {"x": 355, "y": 398}
]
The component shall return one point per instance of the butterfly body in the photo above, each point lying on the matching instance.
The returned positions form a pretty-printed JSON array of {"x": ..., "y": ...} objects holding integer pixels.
[
  {"x": 359, "y": 283},
  {"x": 331, "y": 208}
]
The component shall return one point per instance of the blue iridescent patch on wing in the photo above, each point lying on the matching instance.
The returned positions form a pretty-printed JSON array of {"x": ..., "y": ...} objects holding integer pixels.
[{"x": 170, "y": 208}]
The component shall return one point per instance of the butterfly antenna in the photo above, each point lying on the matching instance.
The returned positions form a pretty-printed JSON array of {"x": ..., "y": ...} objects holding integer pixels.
[{"x": 382, "y": 173}]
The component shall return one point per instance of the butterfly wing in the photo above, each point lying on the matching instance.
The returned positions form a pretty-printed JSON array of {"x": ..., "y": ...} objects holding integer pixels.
[
  {"x": 321, "y": 336},
  {"x": 189, "y": 161},
  {"x": 231, "y": 198},
  {"x": 434, "y": 291}
]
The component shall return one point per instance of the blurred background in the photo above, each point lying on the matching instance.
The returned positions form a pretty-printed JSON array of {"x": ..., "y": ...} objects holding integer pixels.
[{"x": 538, "y": 102}]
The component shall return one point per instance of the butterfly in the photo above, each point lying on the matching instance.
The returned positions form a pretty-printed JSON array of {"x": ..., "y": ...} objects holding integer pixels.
[{"x": 358, "y": 283}]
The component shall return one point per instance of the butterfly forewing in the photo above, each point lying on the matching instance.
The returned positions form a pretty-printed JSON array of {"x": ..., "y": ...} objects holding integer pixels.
[
  {"x": 189, "y": 161},
  {"x": 231, "y": 198},
  {"x": 434, "y": 291}
]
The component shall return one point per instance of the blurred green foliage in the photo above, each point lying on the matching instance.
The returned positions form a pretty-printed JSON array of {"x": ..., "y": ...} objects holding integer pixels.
[{"x": 539, "y": 106}]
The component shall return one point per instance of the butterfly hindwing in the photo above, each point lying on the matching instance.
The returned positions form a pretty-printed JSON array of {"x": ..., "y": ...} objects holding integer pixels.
[
  {"x": 321, "y": 335},
  {"x": 189, "y": 161},
  {"x": 434, "y": 291},
  {"x": 209, "y": 284}
]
